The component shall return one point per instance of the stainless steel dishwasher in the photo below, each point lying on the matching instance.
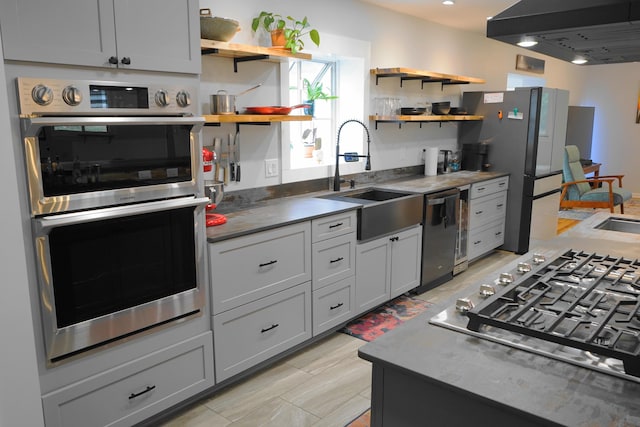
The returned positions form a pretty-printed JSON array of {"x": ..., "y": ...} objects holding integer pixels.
[{"x": 440, "y": 232}]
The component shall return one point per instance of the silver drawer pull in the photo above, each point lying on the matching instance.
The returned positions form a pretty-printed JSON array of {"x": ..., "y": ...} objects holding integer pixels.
[
  {"x": 477, "y": 242},
  {"x": 275, "y": 325},
  {"x": 268, "y": 263},
  {"x": 478, "y": 212},
  {"x": 500, "y": 205},
  {"x": 338, "y": 224},
  {"x": 146, "y": 390},
  {"x": 336, "y": 306},
  {"x": 498, "y": 233},
  {"x": 336, "y": 260},
  {"x": 481, "y": 189}
]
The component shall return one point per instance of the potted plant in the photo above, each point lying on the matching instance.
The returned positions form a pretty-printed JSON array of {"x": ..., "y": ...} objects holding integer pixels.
[
  {"x": 314, "y": 91},
  {"x": 309, "y": 145},
  {"x": 286, "y": 32}
]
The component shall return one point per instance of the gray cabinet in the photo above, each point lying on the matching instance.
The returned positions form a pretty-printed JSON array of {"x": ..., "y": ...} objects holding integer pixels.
[
  {"x": 487, "y": 211},
  {"x": 261, "y": 296},
  {"x": 333, "y": 265},
  {"x": 247, "y": 268},
  {"x": 156, "y": 35},
  {"x": 136, "y": 390},
  {"x": 387, "y": 267},
  {"x": 254, "y": 332}
]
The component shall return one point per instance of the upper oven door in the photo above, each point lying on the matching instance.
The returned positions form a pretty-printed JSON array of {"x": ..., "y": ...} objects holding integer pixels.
[{"x": 76, "y": 163}]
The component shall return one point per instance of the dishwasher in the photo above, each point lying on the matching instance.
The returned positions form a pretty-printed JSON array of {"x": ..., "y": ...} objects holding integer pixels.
[{"x": 440, "y": 233}]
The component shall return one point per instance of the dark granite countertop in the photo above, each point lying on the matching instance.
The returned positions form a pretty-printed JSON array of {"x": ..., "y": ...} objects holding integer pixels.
[
  {"x": 556, "y": 391},
  {"x": 288, "y": 210}
]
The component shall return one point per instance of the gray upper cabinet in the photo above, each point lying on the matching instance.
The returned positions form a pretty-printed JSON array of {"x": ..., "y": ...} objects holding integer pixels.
[{"x": 155, "y": 35}]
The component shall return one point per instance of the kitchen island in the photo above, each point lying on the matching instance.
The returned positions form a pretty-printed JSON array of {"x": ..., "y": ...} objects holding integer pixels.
[{"x": 425, "y": 374}]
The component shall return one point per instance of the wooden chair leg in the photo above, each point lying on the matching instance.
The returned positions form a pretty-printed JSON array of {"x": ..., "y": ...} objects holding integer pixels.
[{"x": 621, "y": 208}]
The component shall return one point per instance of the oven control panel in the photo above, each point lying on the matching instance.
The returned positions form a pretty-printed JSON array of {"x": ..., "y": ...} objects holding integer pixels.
[{"x": 86, "y": 97}]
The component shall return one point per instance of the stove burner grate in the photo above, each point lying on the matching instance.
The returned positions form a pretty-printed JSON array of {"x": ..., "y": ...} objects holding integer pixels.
[{"x": 581, "y": 300}]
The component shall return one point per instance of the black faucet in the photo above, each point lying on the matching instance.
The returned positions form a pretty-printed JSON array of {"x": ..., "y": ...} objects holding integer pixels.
[{"x": 336, "y": 178}]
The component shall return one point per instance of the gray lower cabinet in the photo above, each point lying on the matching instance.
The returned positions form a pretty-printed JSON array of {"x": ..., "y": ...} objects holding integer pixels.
[
  {"x": 254, "y": 332},
  {"x": 387, "y": 267},
  {"x": 261, "y": 296},
  {"x": 487, "y": 211},
  {"x": 155, "y": 35},
  {"x": 333, "y": 266},
  {"x": 333, "y": 304},
  {"x": 245, "y": 269},
  {"x": 136, "y": 390}
]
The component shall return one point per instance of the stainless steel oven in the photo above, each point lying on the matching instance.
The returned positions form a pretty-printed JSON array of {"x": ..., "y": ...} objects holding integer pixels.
[{"x": 117, "y": 218}]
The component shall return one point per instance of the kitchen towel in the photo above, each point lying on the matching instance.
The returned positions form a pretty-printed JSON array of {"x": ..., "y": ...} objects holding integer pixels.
[{"x": 431, "y": 161}]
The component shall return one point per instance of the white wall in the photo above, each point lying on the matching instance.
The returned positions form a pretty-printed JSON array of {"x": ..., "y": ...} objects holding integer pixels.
[
  {"x": 614, "y": 91},
  {"x": 403, "y": 41},
  {"x": 19, "y": 386}
]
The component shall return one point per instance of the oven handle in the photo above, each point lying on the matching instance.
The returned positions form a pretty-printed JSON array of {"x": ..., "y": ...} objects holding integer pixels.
[
  {"x": 31, "y": 125},
  {"x": 46, "y": 223}
]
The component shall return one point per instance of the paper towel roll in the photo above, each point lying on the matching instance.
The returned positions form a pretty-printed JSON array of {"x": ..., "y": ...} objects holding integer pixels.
[{"x": 431, "y": 161}]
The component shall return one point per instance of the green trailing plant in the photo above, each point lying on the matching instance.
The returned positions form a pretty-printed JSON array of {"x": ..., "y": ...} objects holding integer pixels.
[{"x": 294, "y": 29}]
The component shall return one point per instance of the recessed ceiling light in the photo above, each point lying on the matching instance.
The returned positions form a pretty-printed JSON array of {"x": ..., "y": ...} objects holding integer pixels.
[
  {"x": 448, "y": 2},
  {"x": 579, "y": 61},
  {"x": 527, "y": 43}
]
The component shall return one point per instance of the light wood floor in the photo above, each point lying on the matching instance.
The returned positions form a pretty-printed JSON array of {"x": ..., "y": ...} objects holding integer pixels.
[{"x": 326, "y": 384}]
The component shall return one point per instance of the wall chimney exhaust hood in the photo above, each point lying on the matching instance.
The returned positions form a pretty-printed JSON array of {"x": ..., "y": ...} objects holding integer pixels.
[{"x": 600, "y": 31}]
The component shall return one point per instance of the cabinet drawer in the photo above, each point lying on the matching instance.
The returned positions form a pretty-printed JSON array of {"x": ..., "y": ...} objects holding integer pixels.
[
  {"x": 135, "y": 391},
  {"x": 255, "y": 266},
  {"x": 333, "y": 304},
  {"x": 332, "y": 226},
  {"x": 490, "y": 186},
  {"x": 333, "y": 260},
  {"x": 485, "y": 239},
  {"x": 259, "y": 330},
  {"x": 487, "y": 209}
]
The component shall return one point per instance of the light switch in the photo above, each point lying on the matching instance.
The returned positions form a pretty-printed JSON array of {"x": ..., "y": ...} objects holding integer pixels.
[{"x": 270, "y": 168}]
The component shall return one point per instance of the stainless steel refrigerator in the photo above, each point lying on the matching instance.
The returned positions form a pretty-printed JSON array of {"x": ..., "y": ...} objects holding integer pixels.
[{"x": 525, "y": 130}]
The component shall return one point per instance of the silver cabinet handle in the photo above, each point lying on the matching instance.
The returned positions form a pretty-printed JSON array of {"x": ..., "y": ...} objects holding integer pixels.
[
  {"x": 336, "y": 306},
  {"x": 336, "y": 260},
  {"x": 336, "y": 225}
]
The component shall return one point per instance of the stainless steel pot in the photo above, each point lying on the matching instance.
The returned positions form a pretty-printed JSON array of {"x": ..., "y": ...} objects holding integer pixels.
[{"x": 223, "y": 103}]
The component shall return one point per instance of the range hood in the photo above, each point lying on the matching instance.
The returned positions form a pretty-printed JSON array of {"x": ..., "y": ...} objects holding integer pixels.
[{"x": 600, "y": 31}]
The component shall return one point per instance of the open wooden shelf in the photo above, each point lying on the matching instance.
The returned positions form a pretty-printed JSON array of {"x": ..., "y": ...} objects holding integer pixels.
[
  {"x": 253, "y": 118},
  {"x": 423, "y": 119},
  {"x": 423, "y": 76},
  {"x": 243, "y": 52}
]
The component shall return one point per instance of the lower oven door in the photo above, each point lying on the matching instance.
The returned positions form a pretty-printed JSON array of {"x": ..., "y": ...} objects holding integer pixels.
[{"x": 107, "y": 274}]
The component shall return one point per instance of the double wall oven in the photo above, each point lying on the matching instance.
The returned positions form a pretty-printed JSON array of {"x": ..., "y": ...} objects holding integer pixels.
[{"x": 117, "y": 218}]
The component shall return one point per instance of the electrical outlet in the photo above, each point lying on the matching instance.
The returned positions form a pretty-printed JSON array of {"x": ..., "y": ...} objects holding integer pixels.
[{"x": 270, "y": 168}]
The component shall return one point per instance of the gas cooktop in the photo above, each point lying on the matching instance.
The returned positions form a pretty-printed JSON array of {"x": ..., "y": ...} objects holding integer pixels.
[{"x": 578, "y": 307}]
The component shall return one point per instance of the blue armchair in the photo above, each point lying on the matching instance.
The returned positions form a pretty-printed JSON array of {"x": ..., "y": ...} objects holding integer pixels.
[{"x": 581, "y": 192}]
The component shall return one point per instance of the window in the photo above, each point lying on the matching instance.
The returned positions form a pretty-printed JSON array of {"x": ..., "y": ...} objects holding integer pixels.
[
  {"x": 306, "y": 138},
  {"x": 343, "y": 73}
]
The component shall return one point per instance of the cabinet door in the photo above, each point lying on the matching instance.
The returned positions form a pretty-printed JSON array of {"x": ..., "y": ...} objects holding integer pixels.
[
  {"x": 158, "y": 35},
  {"x": 406, "y": 258},
  {"x": 254, "y": 332},
  {"x": 257, "y": 265},
  {"x": 333, "y": 260},
  {"x": 62, "y": 32},
  {"x": 136, "y": 390},
  {"x": 372, "y": 274}
]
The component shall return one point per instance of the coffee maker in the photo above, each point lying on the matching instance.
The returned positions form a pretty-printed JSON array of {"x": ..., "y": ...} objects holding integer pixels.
[{"x": 475, "y": 157}]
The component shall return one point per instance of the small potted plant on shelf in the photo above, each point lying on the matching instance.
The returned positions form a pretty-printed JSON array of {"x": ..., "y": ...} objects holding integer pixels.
[
  {"x": 315, "y": 91},
  {"x": 287, "y": 31}
]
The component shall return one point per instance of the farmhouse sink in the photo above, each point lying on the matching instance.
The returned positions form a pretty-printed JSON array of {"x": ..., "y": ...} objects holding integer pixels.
[
  {"x": 622, "y": 225},
  {"x": 382, "y": 211}
]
